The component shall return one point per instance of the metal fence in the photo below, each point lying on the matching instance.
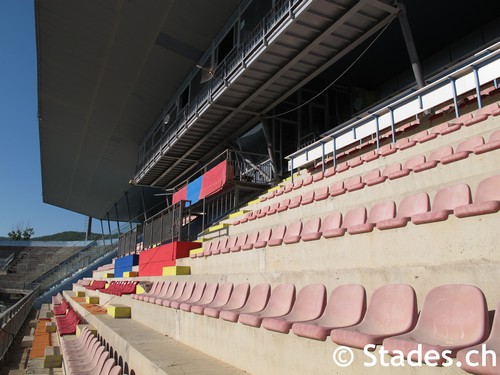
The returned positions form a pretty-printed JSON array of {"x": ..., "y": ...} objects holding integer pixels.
[
  {"x": 127, "y": 242},
  {"x": 166, "y": 226},
  {"x": 12, "y": 319}
]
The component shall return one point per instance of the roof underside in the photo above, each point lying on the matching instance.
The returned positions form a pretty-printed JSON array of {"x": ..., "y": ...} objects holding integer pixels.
[{"x": 105, "y": 71}]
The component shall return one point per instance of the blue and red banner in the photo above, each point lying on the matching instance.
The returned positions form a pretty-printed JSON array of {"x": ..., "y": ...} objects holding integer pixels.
[{"x": 207, "y": 184}]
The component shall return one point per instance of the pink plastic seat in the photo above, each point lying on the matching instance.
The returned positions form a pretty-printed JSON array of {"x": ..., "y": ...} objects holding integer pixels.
[
  {"x": 346, "y": 307},
  {"x": 208, "y": 296},
  {"x": 221, "y": 245},
  {"x": 311, "y": 230},
  {"x": 408, "y": 207},
  {"x": 434, "y": 159},
  {"x": 321, "y": 194},
  {"x": 231, "y": 242},
  {"x": 280, "y": 303},
  {"x": 342, "y": 167},
  {"x": 463, "y": 150},
  {"x": 388, "y": 149},
  {"x": 220, "y": 299},
  {"x": 353, "y": 217},
  {"x": 161, "y": 293},
  {"x": 108, "y": 365},
  {"x": 307, "y": 198},
  {"x": 253, "y": 215},
  {"x": 236, "y": 301},
  {"x": 283, "y": 205},
  {"x": 292, "y": 235},
  {"x": 486, "y": 200},
  {"x": 492, "y": 144},
  {"x": 354, "y": 162},
  {"x": 482, "y": 114},
  {"x": 187, "y": 292},
  {"x": 309, "y": 305},
  {"x": 116, "y": 370},
  {"x": 263, "y": 212},
  {"x": 330, "y": 172},
  {"x": 408, "y": 126},
  {"x": 331, "y": 225},
  {"x": 392, "y": 310},
  {"x": 424, "y": 136},
  {"x": 337, "y": 189},
  {"x": 297, "y": 184},
  {"x": 381, "y": 211},
  {"x": 308, "y": 180},
  {"x": 276, "y": 238},
  {"x": 373, "y": 177},
  {"x": 445, "y": 201},
  {"x": 194, "y": 298},
  {"x": 453, "y": 317},
  {"x": 354, "y": 183},
  {"x": 476, "y": 353},
  {"x": 286, "y": 189},
  {"x": 273, "y": 209},
  {"x": 242, "y": 239},
  {"x": 406, "y": 169},
  {"x": 404, "y": 143},
  {"x": 177, "y": 292},
  {"x": 318, "y": 176},
  {"x": 264, "y": 236},
  {"x": 154, "y": 288},
  {"x": 257, "y": 301},
  {"x": 295, "y": 202},
  {"x": 250, "y": 242},
  {"x": 371, "y": 155},
  {"x": 445, "y": 128}
]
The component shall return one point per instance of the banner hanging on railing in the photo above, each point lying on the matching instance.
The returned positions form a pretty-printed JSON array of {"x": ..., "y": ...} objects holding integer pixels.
[{"x": 207, "y": 184}]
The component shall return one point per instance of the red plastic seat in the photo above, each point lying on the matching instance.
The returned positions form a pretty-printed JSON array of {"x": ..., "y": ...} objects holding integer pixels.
[
  {"x": 283, "y": 205},
  {"x": 280, "y": 303},
  {"x": 486, "y": 200},
  {"x": 434, "y": 159},
  {"x": 196, "y": 295},
  {"x": 477, "y": 353},
  {"x": 463, "y": 150},
  {"x": 242, "y": 239},
  {"x": 264, "y": 236},
  {"x": 250, "y": 242},
  {"x": 311, "y": 230},
  {"x": 492, "y": 144},
  {"x": 295, "y": 202},
  {"x": 231, "y": 242},
  {"x": 346, "y": 307},
  {"x": 292, "y": 235},
  {"x": 453, "y": 317},
  {"x": 307, "y": 198},
  {"x": 482, "y": 114},
  {"x": 237, "y": 300},
  {"x": 408, "y": 207},
  {"x": 321, "y": 194},
  {"x": 337, "y": 189},
  {"x": 208, "y": 296},
  {"x": 309, "y": 305},
  {"x": 380, "y": 211},
  {"x": 331, "y": 225},
  {"x": 445, "y": 201},
  {"x": 276, "y": 237},
  {"x": 392, "y": 310},
  {"x": 187, "y": 292},
  {"x": 406, "y": 169},
  {"x": 354, "y": 183},
  {"x": 257, "y": 301}
]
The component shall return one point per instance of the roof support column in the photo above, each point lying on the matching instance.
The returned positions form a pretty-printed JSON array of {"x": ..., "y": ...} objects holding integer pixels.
[
  {"x": 410, "y": 44},
  {"x": 88, "y": 233},
  {"x": 270, "y": 146}
]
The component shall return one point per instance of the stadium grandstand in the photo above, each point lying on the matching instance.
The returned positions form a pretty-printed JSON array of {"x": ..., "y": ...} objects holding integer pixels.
[{"x": 299, "y": 186}]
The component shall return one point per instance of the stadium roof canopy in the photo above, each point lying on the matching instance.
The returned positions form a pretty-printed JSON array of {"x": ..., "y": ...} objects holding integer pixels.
[{"x": 106, "y": 69}]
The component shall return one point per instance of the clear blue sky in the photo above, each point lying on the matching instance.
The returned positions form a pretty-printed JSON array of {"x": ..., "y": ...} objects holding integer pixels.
[{"x": 20, "y": 181}]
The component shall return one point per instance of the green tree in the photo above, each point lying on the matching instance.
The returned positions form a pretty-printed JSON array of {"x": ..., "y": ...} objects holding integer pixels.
[{"x": 21, "y": 233}]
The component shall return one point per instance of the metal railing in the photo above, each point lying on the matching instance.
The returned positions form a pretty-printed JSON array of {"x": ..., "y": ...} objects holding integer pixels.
[
  {"x": 4, "y": 262},
  {"x": 166, "y": 226},
  {"x": 127, "y": 242},
  {"x": 12, "y": 319},
  {"x": 235, "y": 60}
]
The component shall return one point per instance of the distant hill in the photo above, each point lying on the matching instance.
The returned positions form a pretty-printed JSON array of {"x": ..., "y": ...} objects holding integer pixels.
[{"x": 67, "y": 236}]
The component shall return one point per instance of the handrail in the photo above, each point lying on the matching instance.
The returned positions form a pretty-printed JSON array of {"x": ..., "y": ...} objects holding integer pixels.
[
  {"x": 372, "y": 116},
  {"x": 12, "y": 319},
  {"x": 234, "y": 60}
]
